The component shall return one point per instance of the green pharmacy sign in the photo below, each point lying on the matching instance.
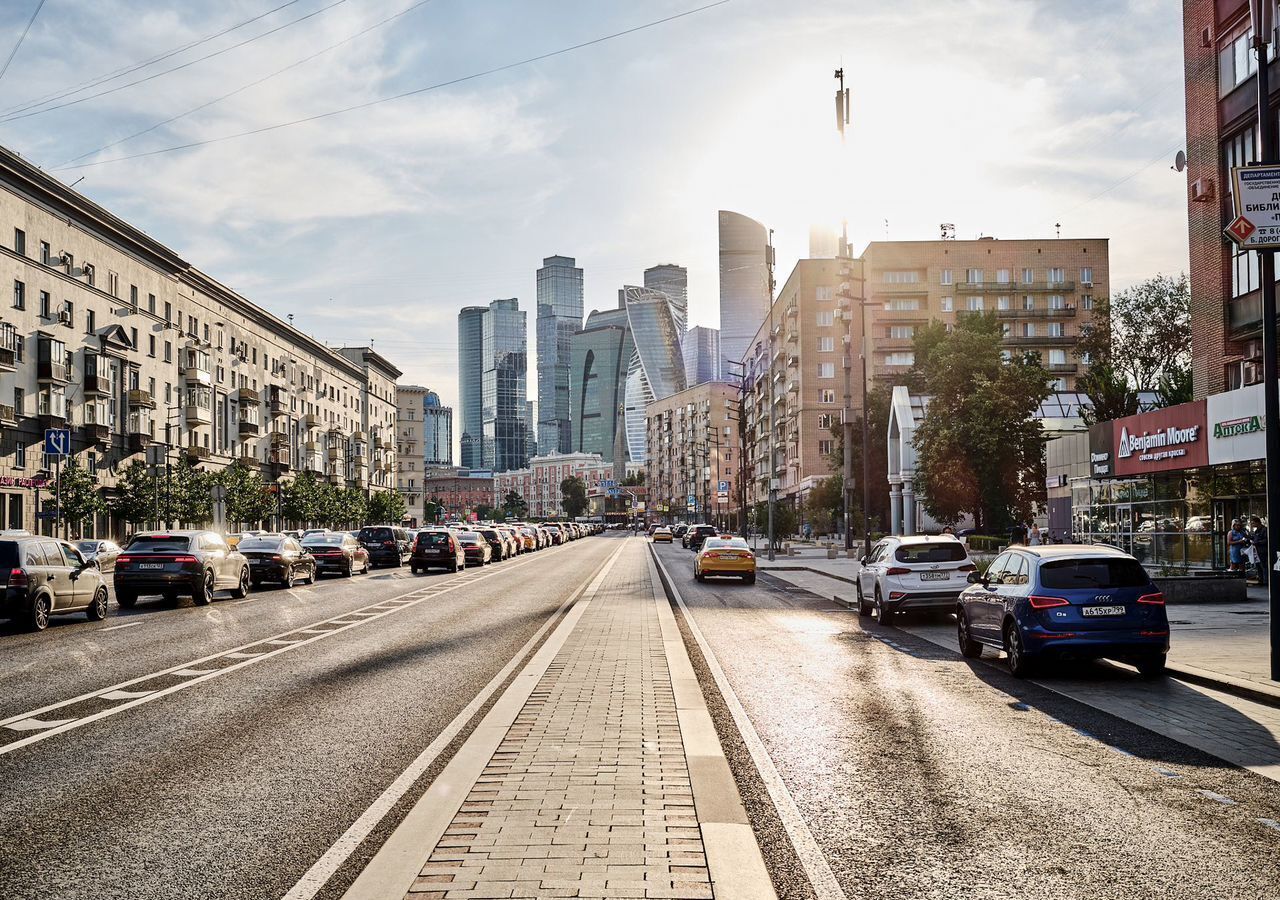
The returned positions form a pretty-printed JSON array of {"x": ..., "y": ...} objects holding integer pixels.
[{"x": 1235, "y": 427}]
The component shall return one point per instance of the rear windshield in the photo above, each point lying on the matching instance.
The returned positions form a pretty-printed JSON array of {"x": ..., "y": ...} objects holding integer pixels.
[
  {"x": 257, "y": 543},
  {"x": 1093, "y": 573},
  {"x": 8, "y": 555},
  {"x": 433, "y": 539},
  {"x": 731, "y": 543},
  {"x": 375, "y": 534},
  {"x": 86, "y": 546},
  {"x": 323, "y": 540},
  {"x": 946, "y": 551},
  {"x": 469, "y": 537},
  {"x": 160, "y": 543}
]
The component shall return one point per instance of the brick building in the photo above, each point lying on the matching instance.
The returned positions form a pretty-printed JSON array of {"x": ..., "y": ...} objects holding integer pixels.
[
  {"x": 461, "y": 491},
  {"x": 691, "y": 439},
  {"x": 539, "y": 482}
]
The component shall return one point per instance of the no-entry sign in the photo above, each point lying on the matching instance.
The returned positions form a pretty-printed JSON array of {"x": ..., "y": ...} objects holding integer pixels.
[{"x": 1256, "y": 196}]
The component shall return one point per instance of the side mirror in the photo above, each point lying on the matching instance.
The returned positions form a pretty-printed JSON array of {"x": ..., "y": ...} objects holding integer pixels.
[
  {"x": 862, "y": 560},
  {"x": 977, "y": 578}
]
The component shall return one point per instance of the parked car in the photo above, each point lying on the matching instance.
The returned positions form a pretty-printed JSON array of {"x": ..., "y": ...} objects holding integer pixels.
[
  {"x": 1065, "y": 601},
  {"x": 104, "y": 553},
  {"x": 553, "y": 534},
  {"x": 176, "y": 563},
  {"x": 920, "y": 572},
  {"x": 699, "y": 533},
  {"x": 529, "y": 538},
  {"x": 662, "y": 534},
  {"x": 725, "y": 555},
  {"x": 278, "y": 558},
  {"x": 436, "y": 548},
  {"x": 477, "y": 551},
  {"x": 388, "y": 545},
  {"x": 501, "y": 549},
  {"x": 234, "y": 539},
  {"x": 337, "y": 552},
  {"x": 514, "y": 544},
  {"x": 43, "y": 577},
  {"x": 679, "y": 531}
]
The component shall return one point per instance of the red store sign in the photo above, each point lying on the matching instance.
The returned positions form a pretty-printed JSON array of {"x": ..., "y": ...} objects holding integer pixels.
[
  {"x": 11, "y": 481},
  {"x": 1161, "y": 440}
]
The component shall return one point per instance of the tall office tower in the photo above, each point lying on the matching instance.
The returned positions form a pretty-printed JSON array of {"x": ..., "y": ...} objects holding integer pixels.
[
  {"x": 437, "y": 431},
  {"x": 744, "y": 284},
  {"x": 504, "y": 401},
  {"x": 656, "y": 369},
  {"x": 601, "y": 353},
  {"x": 673, "y": 281},
  {"x": 470, "y": 382},
  {"x": 559, "y": 316},
  {"x": 701, "y": 348}
]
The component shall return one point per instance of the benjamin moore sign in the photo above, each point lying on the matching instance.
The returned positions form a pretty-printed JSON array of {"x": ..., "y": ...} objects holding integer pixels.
[{"x": 1161, "y": 440}]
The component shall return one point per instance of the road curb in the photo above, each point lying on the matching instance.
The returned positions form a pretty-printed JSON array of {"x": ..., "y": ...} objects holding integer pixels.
[
  {"x": 1239, "y": 687},
  {"x": 735, "y": 862}
]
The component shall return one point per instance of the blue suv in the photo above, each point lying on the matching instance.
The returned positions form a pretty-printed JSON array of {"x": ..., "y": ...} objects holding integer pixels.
[{"x": 1065, "y": 602}]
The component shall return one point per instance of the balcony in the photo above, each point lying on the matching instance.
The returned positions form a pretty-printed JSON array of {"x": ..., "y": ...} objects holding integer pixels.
[
  {"x": 278, "y": 405},
  {"x": 198, "y": 405},
  {"x": 311, "y": 420},
  {"x": 50, "y": 370},
  {"x": 196, "y": 453},
  {"x": 902, "y": 315},
  {"x": 51, "y": 405},
  {"x": 792, "y": 311},
  {"x": 8, "y": 415},
  {"x": 360, "y": 437},
  {"x": 888, "y": 343},
  {"x": 245, "y": 395},
  {"x": 194, "y": 366},
  {"x": 1011, "y": 287},
  {"x": 1063, "y": 368},
  {"x": 248, "y": 424},
  {"x": 1244, "y": 316},
  {"x": 139, "y": 399},
  {"x": 139, "y": 442},
  {"x": 1065, "y": 340},
  {"x": 95, "y": 383},
  {"x": 883, "y": 287},
  {"x": 1065, "y": 312},
  {"x": 279, "y": 439},
  {"x": 279, "y": 462},
  {"x": 8, "y": 347}
]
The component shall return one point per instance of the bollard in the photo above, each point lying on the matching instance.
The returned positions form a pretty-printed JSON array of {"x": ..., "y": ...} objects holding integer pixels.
[{"x": 831, "y": 553}]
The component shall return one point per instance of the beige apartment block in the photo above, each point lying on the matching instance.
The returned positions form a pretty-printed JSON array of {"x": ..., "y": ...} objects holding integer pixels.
[
  {"x": 691, "y": 440},
  {"x": 1043, "y": 291},
  {"x": 410, "y": 456},
  {"x": 111, "y": 334}
]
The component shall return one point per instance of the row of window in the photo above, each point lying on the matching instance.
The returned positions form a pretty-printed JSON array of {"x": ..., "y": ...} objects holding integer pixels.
[
  {"x": 1053, "y": 275},
  {"x": 978, "y": 303}
]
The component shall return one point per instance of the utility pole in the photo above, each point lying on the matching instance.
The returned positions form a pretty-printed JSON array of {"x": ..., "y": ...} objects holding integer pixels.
[
  {"x": 1262, "y": 12},
  {"x": 773, "y": 489}
]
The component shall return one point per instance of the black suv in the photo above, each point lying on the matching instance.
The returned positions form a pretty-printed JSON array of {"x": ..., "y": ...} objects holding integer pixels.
[
  {"x": 388, "y": 545},
  {"x": 42, "y": 577},
  {"x": 697, "y": 534},
  {"x": 173, "y": 563}
]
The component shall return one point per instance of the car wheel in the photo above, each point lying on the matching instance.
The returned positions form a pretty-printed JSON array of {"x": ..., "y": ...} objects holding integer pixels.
[
  {"x": 1019, "y": 665},
  {"x": 349, "y": 571},
  {"x": 882, "y": 614},
  {"x": 311, "y": 576},
  {"x": 241, "y": 590},
  {"x": 749, "y": 579},
  {"x": 1152, "y": 667},
  {"x": 699, "y": 576},
  {"x": 126, "y": 599},
  {"x": 97, "y": 610},
  {"x": 864, "y": 608},
  {"x": 286, "y": 580},
  {"x": 38, "y": 614},
  {"x": 969, "y": 648},
  {"x": 413, "y": 570},
  {"x": 202, "y": 593}
]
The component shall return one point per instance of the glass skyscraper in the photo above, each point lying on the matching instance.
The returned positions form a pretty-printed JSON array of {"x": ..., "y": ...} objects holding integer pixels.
[
  {"x": 673, "y": 281},
  {"x": 701, "y": 346},
  {"x": 559, "y": 317},
  {"x": 505, "y": 408},
  {"x": 656, "y": 369},
  {"x": 601, "y": 354},
  {"x": 470, "y": 384},
  {"x": 744, "y": 284},
  {"x": 437, "y": 431}
]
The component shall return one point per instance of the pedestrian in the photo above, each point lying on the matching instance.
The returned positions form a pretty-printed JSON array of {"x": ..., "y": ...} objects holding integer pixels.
[
  {"x": 947, "y": 529},
  {"x": 1259, "y": 537},
  {"x": 1017, "y": 534},
  {"x": 1237, "y": 541},
  {"x": 1035, "y": 539}
]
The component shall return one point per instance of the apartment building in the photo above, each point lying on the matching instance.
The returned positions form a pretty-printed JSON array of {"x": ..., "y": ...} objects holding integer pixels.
[
  {"x": 539, "y": 482},
  {"x": 410, "y": 455},
  {"x": 1043, "y": 292},
  {"x": 113, "y": 335},
  {"x": 692, "y": 463}
]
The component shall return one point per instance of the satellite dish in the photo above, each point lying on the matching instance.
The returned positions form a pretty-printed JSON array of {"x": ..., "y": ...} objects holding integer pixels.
[{"x": 1180, "y": 161}]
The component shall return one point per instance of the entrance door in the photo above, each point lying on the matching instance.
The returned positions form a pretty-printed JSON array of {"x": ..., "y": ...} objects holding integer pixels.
[
  {"x": 1124, "y": 527},
  {"x": 1225, "y": 511}
]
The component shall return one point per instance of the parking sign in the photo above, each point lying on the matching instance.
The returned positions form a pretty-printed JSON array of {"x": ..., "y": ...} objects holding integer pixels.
[{"x": 57, "y": 441}]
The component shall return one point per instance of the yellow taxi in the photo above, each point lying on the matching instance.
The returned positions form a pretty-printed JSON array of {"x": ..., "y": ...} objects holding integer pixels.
[
  {"x": 662, "y": 533},
  {"x": 725, "y": 555}
]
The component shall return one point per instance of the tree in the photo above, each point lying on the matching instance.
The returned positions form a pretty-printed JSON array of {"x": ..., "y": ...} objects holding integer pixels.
[
  {"x": 1110, "y": 394},
  {"x": 1143, "y": 333},
  {"x": 634, "y": 480},
  {"x": 573, "y": 496},
  {"x": 248, "y": 502},
  {"x": 78, "y": 495},
  {"x": 387, "y": 506},
  {"x": 484, "y": 512},
  {"x": 879, "y": 399},
  {"x": 350, "y": 507},
  {"x": 514, "y": 505},
  {"x": 188, "y": 494},
  {"x": 979, "y": 449},
  {"x": 135, "y": 500},
  {"x": 300, "y": 499},
  {"x": 434, "y": 509},
  {"x": 824, "y": 504},
  {"x": 784, "y": 519}
]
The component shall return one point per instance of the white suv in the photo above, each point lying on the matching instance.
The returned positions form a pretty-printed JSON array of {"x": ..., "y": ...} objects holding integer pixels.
[{"x": 923, "y": 572}]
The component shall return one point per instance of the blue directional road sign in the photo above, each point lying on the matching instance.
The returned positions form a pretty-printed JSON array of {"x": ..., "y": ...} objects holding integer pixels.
[
  {"x": 57, "y": 441},
  {"x": 724, "y": 487},
  {"x": 608, "y": 483}
]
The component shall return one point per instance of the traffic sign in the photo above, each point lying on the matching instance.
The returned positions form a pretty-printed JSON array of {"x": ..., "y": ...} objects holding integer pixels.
[
  {"x": 57, "y": 441},
  {"x": 1256, "y": 199},
  {"x": 608, "y": 483},
  {"x": 724, "y": 487},
  {"x": 1240, "y": 229},
  {"x": 722, "y": 497},
  {"x": 47, "y": 514}
]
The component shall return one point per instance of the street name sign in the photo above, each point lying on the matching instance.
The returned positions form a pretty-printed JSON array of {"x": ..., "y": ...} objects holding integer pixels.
[{"x": 1256, "y": 196}]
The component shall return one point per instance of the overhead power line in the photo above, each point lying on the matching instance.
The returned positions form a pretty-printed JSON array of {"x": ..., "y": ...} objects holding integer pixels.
[
  {"x": 120, "y": 87},
  {"x": 133, "y": 67},
  {"x": 422, "y": 90},
  {"x": 255, "y": 83},
  {"x": 22, "y": 37}
]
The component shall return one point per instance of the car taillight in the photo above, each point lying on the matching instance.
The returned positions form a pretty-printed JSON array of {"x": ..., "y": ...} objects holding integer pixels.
[
  {"x": 276, "y": 557},
  {"x": 18, "y": 578},
  {"x": 897, "y": 595},
  {"x": 1046, "y": 602},
  {"x": 123, "y": 560},
  {"x": 1156, "y": 599},
  {"x": 967, "y": 567},
  {"x": 388, "y": 543},
  {"x": 897, "y": 570}
]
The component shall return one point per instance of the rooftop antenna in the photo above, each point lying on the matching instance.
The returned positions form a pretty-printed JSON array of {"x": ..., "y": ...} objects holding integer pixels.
[
  {"x": 948, "y": 231},
  {"x": 290, "y": 320},
  {"x": 1057, "y": 229},
  {"x": 886, "y": 228},
  {"x": 842, "y": 104}
]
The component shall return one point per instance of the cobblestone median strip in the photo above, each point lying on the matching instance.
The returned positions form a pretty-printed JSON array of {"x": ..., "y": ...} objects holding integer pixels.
[{"x": 578, "y": 783}]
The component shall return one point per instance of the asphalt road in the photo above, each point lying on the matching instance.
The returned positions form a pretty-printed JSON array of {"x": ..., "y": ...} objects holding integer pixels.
[
  {"x": 921, "y": 774},
  {"x": 227, "y": 775}
]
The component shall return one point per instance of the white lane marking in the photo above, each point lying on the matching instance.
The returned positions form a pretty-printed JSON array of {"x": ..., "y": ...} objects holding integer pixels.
[
  {"x": 1270, "y": 823},
  {"x": 1215, "y": 797},
  {"x": 244, "y": 654},
  {"x": 810, "y": 854},
  {"x": 69, "y": 724},
  {"x": 189, "y": 673},
  {"x": 125, "y": 695},
  {"x": 34, "y": 724},
  {"x": 118, "y": 627},
  {"x": 287, "y": 641},
  {"x": 1167, "y": 774},
  {"x": 245, "y": 600},
  {"x": 315, "y": 631},
  {"x": 315, "y": 878}
]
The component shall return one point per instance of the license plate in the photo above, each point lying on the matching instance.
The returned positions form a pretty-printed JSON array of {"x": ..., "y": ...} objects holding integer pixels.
[
  {"x": 1102, "y": 610},
  {"x": 150, "y": 565},
  {"x": 935, "y": 576}
]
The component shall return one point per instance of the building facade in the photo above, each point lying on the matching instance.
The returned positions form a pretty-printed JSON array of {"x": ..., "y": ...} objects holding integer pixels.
[
  {"x": 504, "y": 415},
  {"x": 539, "y": 482},
  {"x": 471, "y": 385},
  {"x": 559, "y": 317},
  {"x": 701, "y": 348},
  {"x": 744, "y": 283},
  {"x": 1043, "y": 292},
  {"x": 600, "y": 354},
  {"x": 437, "y": 431},
  {"x": 691, "y": 463},
  {"x": 673, "y": 281},
  {"x": 410, "y": 452},
  {"x": 114, "y": 336},
  {"x": 460, "y": 492},
  {"x": 656, "y": 369}
]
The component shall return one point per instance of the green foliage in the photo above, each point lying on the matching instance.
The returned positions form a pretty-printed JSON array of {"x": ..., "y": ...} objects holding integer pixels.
[
  {"x": 1175, "y": 386},
  {"x": 484, "y": 512},
  {"x": 350, "y": 508},
  {"x": 784, "y": 519},
  {"x": 634, "y": 479},
  {"x": 1143, "y": 332},
  {"x": 824, "y": 504},
  {"x": 300, "y": 499},
  {"x": 879, "y": 399},
  {"x": 573, "y": 496},
  {"x": 513, "y": 505},
  {"x": 189, "y": 496},
  {"x": 434, "y": 509},
  {"x": 248, "y": 503},
  {"x": 386, "y": 507},
  {"x": 1110, "y": 393},
  {"x": 79, "y": 498},
  {"x": 979, "y": 451},
  {"x": 135, "y": 500}
]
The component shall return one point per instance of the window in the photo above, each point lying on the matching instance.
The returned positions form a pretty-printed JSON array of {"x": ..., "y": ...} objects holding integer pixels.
[
  {"x": 20, "y": 455},
  {"x": 948, "y": 304},
  {"x": 826, "y": 447},
  {"x": 90, "y": 321},
  {"x": 45, "y": 303},
  {"x": 901, "y": 358},
  {"x": 825, "y": 345},
  {"x": 1028, "y": 276},
  {"x": 826, "y": 370},
  {"x": 113, "y": 284},
  {"x": 1086, "y": 275},
  {"x": 902, "y": 332},
  {"x": 1087, "y": 300},
  {"x": 1003, "y": 276},
  {"x": 1002, "y": 303},
  {"x": 1006, "y": 356},
  {"x": 151, "y": 304},
  {"x": 823, "y": 292},
  {"x": 1057, "y": 329},
  {"x": 902, "y": 305},
  {"x": 92, "y": 460},
  {"x": 901, "y": 277},
  {"x": 46, "y": 254},
  {"x": 1236, "y": 59},
  {"x": 1057, "y": 357},
  {"x": 1058, "y": 384},
  {"x": 90, "y": 273},
  {"x": 826, "y": 317},
  {"x": 168, "y": 352},
  {"x": 1239, "y": 151},
  {"x": 19, "y": 295},
  {"x": 133, "y": 337},
  {"x": 19, "y": 401},
  {"x": 827, "y": 395},
  {"x": 946, "y": 276},
  {"x": 1057, "y": 276},
  {"x": 151, "y": 345},
  {"x": 1006, "y": 330},
  {"x": 973, "y": 276},
  {"x": 1028, "y": 329},
  {"x": 826, "y": 420},
  {"x": 168, "y": 311},
  {"x": 974, "y": 304},
  {"x": 1057, "y": 301},
  {"x": 19, "y": 242}
]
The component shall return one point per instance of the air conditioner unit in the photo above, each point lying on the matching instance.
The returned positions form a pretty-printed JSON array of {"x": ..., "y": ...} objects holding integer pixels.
[
  {"x": 1251, "y": 372},
  {"x": 64, "y": 316},
  {"x": 1253, "y": 350},
  {"x": 1202, "y": 190},
  {"x": 1088, "y": 284}
]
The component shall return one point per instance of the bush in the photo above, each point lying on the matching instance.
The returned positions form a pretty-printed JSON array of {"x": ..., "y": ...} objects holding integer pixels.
[{"x": 986, "y": 543}]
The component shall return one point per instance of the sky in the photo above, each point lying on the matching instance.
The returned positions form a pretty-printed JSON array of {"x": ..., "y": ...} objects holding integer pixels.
[{"x": 1004, "y": 117}]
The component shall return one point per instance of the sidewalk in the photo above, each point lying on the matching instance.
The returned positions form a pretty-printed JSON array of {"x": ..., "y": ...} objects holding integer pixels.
[
  {"x": 603, "y": 779},
  {"x": 1224, "y": 645}
]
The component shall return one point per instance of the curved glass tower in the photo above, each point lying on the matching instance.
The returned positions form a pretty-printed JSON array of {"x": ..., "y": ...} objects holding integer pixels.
[
  {"x": 744, "y": 284},
  {"x": 657, "y": 365}
]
